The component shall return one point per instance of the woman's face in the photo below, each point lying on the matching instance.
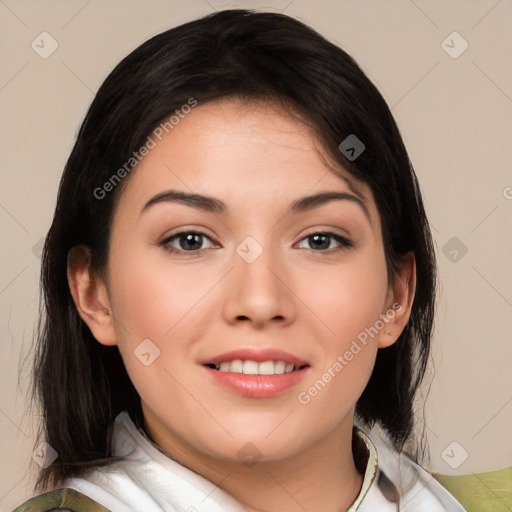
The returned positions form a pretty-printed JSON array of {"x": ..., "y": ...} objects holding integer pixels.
[{"x": 222, "y": 261}]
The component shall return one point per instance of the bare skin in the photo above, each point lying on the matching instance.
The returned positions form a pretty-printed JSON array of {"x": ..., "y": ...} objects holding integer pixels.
[{"x": 194, "y": 305}]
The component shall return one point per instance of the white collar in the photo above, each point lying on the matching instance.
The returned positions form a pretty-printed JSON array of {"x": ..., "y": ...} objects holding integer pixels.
[{"x": 150, "y": 481}]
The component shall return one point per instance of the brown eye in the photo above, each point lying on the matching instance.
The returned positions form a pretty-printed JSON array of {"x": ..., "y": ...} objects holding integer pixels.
[
  {"x": 187, "y": 241},
  {"x": 322, "y": 242}
]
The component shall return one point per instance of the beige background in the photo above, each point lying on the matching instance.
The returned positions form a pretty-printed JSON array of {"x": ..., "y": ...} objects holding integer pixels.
[{"x": 456, "y": 118}]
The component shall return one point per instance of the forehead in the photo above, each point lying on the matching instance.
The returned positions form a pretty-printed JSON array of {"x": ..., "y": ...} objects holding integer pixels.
[{"x": 243, "y": 152}]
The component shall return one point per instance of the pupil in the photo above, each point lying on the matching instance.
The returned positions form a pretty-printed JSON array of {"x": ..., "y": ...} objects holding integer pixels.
[
  {"x": 190, "y": 240},
  {"x": 320, "y": 241}
]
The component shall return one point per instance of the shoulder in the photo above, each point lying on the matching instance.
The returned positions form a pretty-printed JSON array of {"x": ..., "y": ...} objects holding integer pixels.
[
  {"x": 403, "y": 481},
  {"x": 63, "y": 500},
  {"x": 481, "y": 492}
]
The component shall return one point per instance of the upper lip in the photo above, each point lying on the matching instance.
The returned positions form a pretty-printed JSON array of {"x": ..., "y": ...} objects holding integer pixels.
[{"x": 256, "y": 354}]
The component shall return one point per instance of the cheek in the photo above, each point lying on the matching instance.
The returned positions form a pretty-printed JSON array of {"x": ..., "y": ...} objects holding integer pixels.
[
  {"x": 151, "y": 297},
  {"x": 151, "y": 300},
  {"x": 347, "y": 298},
  {"x": 333, "y": 392}
]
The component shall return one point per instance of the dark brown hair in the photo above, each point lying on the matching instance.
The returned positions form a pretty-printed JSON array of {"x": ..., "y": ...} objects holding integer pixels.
[{"x": 81, "y": 384}]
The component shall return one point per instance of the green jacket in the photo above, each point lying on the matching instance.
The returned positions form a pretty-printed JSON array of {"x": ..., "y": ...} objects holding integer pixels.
[{"x": 62, "y": 500}]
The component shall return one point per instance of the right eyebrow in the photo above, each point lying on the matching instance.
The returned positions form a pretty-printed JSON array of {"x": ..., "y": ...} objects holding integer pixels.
[{"x": 209, "y": 204}]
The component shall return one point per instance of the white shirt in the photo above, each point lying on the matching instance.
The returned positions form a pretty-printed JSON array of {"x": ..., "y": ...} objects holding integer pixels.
[{"x": 150, "y": 481}]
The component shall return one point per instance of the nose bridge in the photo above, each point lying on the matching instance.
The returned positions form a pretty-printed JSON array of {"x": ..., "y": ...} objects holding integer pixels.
[
  {"x": 253, "y": 266},
  {"x": 256, "y": 291}
]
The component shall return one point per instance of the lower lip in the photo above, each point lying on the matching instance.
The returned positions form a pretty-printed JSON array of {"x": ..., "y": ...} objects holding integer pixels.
[{"x": 257, "y": 386}]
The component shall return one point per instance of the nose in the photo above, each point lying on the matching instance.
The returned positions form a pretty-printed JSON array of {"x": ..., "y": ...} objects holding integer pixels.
[{"x": 259, "y": 293}]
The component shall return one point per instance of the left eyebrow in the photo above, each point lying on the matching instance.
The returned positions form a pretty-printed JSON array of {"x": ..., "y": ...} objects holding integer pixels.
[
  {"x": 307, "y": 203},
  {"x": 214, "y": 205}
]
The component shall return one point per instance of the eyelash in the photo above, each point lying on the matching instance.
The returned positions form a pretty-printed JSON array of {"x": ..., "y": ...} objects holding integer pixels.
[{"x": 344, "y": 243}]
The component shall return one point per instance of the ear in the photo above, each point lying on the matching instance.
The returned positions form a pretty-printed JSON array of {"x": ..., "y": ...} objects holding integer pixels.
[
  {"x": 399, "y": 301},
  {"x": 90, "y": 296}
]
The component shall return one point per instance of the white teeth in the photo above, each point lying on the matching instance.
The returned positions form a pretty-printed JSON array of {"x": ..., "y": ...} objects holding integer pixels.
[
  {"x": 266, "y": 368},
  {"x": 235, "y": 366},
  {"x": 279, "y": 367},
  {"x": 250, "y": 368},
  {"x": 255, "y": 368}
]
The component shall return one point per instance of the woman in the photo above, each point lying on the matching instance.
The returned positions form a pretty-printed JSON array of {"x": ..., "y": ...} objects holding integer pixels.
[{"x": 239, "y": 283}]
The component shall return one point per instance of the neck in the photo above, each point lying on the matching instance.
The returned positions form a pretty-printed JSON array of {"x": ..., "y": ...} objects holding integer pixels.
[{"x": 321, "y": 477}]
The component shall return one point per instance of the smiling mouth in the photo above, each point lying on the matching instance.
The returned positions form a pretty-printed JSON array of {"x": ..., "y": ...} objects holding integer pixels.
[{"x": 249, "y": 367}]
